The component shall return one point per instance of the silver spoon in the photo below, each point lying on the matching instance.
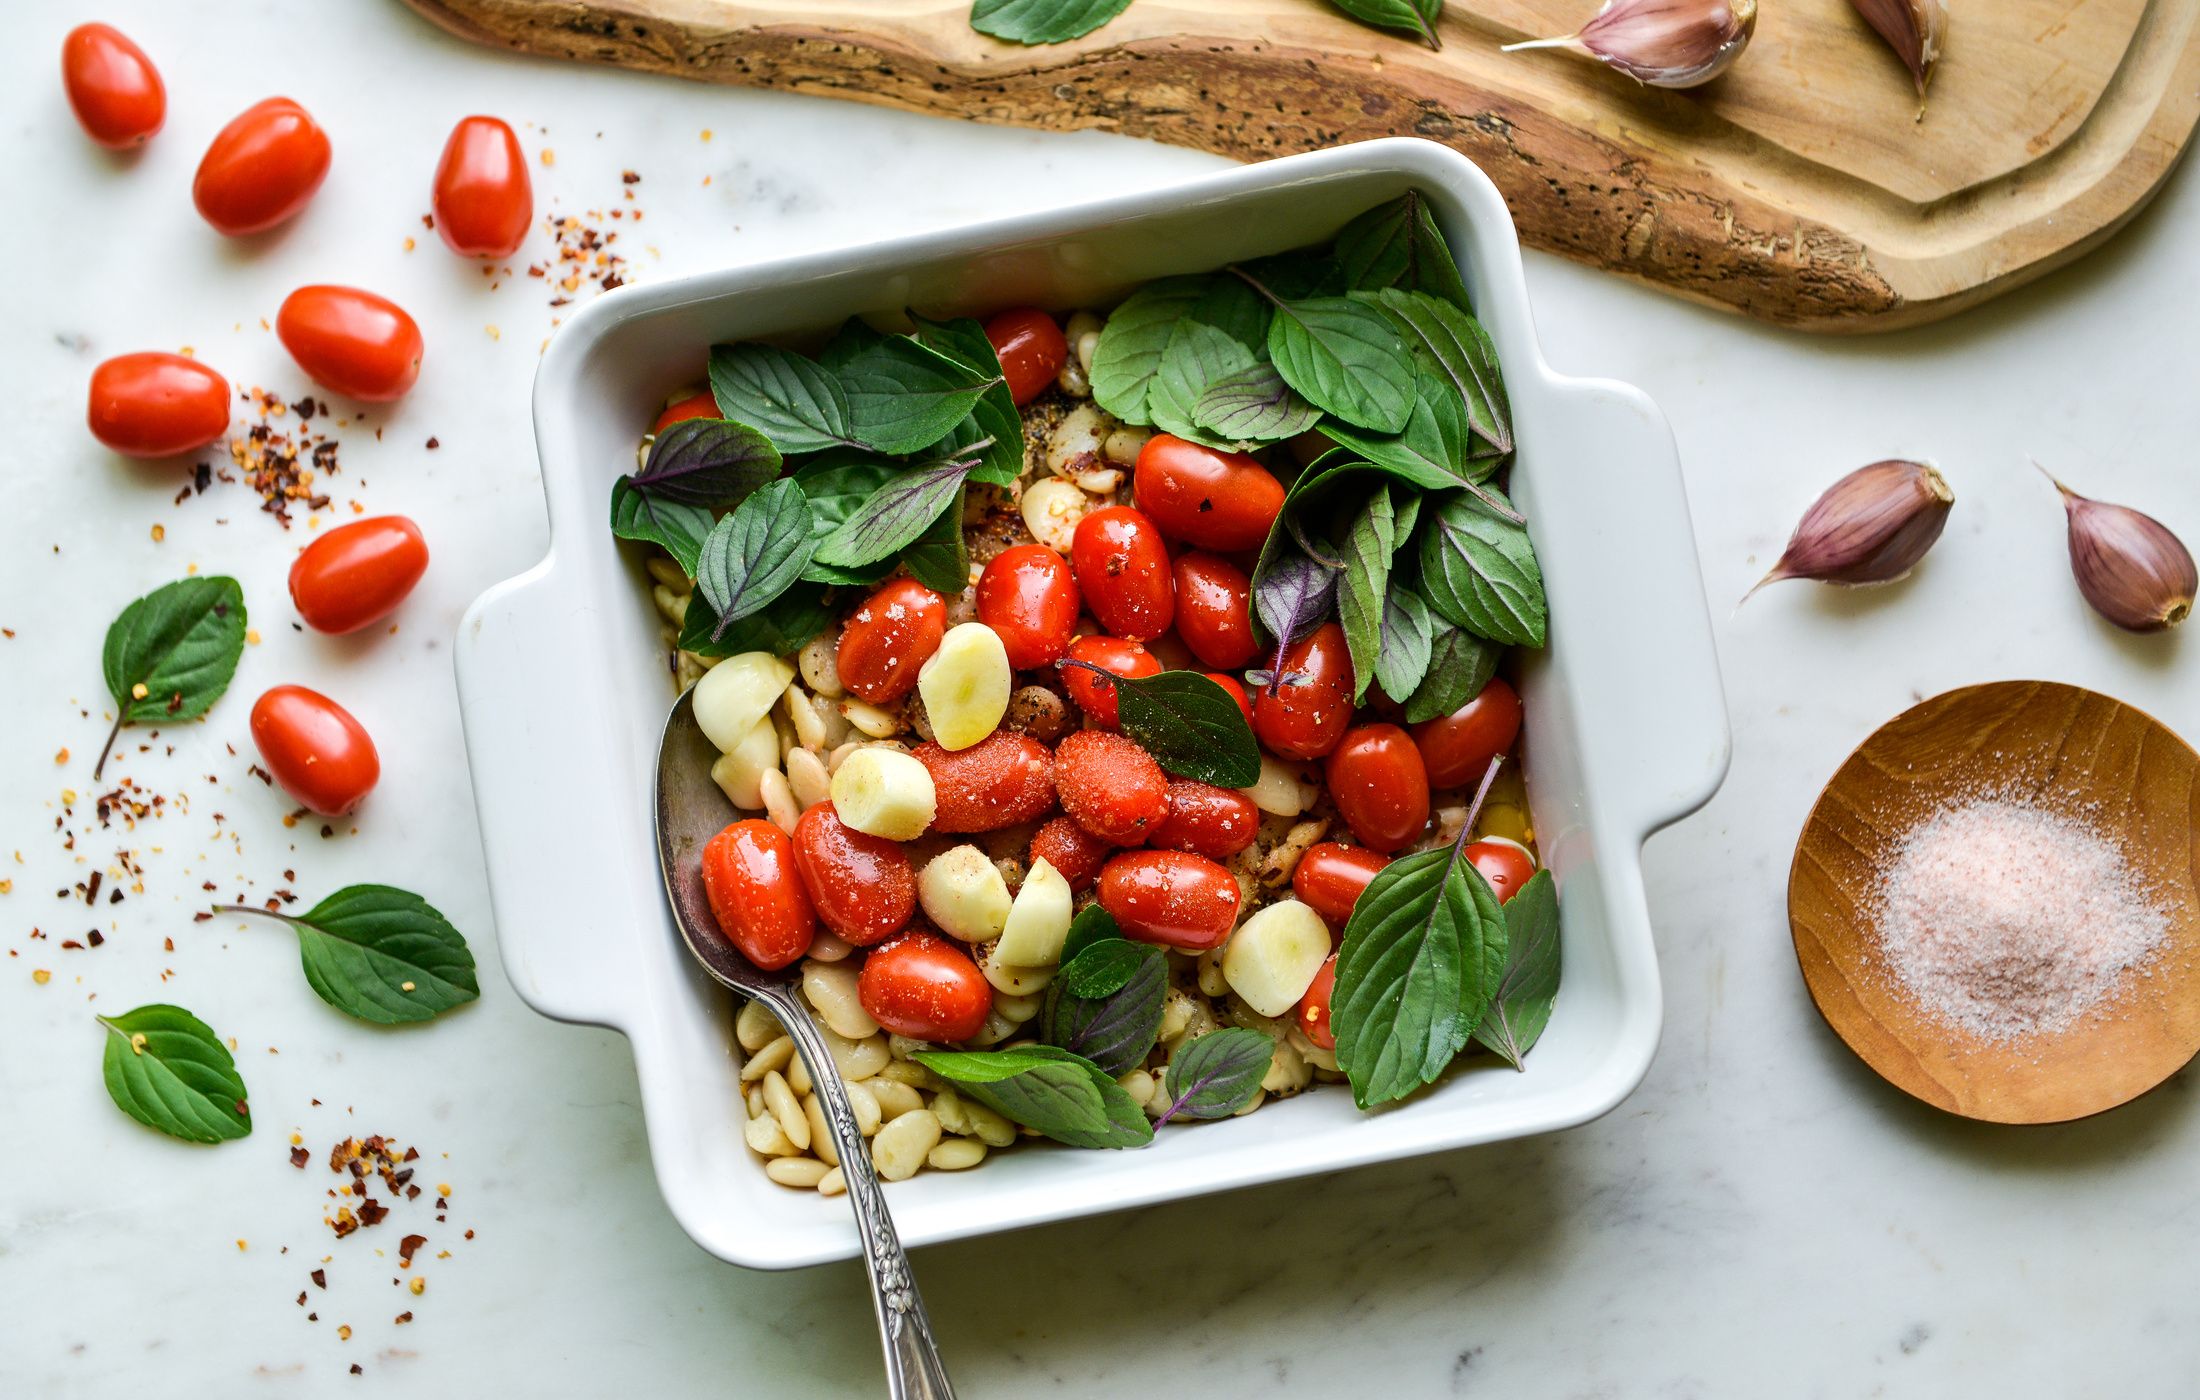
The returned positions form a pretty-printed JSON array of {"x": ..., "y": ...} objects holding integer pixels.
[{"x": 691, "y": 810}]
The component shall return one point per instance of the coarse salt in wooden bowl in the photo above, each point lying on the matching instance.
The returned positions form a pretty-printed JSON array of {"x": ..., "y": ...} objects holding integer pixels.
[{"x": 2056, "y": 747}]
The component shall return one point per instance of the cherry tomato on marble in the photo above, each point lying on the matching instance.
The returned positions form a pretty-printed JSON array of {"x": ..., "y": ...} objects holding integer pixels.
[
  {"x": 314, "y": 749},
  {"x": 1306, "y": 715},
  {"x": 1215, "y": 822},
  {"x": 1503, "y": 863},
  {"x": 1173, "y": 897},
  {"x": 924, "y": 987},
  {"x": 115, "y": 89},
  {"x": 1214, "y": 613},
  {"x": 1110, "y": 786},
  {"x": 483, "y": 200},
  {"x": 262, "y": 168},
  {"x": 1458, "y": 747},
  {"x": 351, "y": 341},
  {"x": 1028, "y": 596},
  {"x": 1093, "y": 695},
  {"x": 861, "y": 886},
  {"x": 889, "y": 638},
  {"x": 1329, "y": 878},
  {"x": 756, "y": 893},
  {"x": 1380, "y": 788},
  {"x": 1212, "y": 500},
  {"x": 1311, "y": 1015},
  {"x": 1075, "y": 853},
  {"x": 1231, "y": 688},
  {"x": 701, "y": 405},
  {"x": 357, "y": 574},
  {"x": 154, "y": 404},
  {"x": 1123, "y": 571},
  {"x": 1005, "y": 779},
  {"x": 1031, "y": 349}
]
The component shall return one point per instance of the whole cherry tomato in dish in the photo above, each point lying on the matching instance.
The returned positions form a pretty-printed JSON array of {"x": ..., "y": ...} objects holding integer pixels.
[
  {"x": 1312, "y": 1013},
  {"x": 1329, "y": 878},
  {"x": 1123, "y": 570},
  {"x": 154, "y": 404},
  {"x": 1214, "y": 500},
  {"x": 703, "y": 405},
  {"x": 756, "y": 893},
  {"x": 351, "y": 342},
  {"x": 1306, "y": 712},
  {"x": 1075, "y": 853},
  {"x": 1028, "y": 596},
  {"x": 924, "y": 987},
  {"x": 1214, "y": 612},
  {"x": 1110, "y": 786},
  {"x": 1096, "y": 697},
  {"x": 861, "y": 886},
  {"x": 1380, "y": 788},
  {"x": 1236, "y": 692},
  {"x": 1458, "y": 747},
  {"x": 888, "y": 639},
  {"x": 1031, "y": 349},
  {"x": 314, "y": 749},
  {"x": 482, "y": 198},
  {"x": 357, "y": 574},
  {"x": 1005, "y": 779},
  {"x": 1505, "y": 864},
  {"x": 1173, "y": 897},
  {"x": 1214, "y": 822},
  {"x": 115, "y": 89},
  {"x": 261, "y": 168}
]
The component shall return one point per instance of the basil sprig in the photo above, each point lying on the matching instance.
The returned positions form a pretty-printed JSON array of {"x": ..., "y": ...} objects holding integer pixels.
[
  {"x": 381, "y": 954},
  {"x": 171, "y": 654},
  {"x": 1190, "y": 725},
  {"x": 1048, "y": 1089},
  {"x": 166, "y": 1068},
  {"x": 1529, "y": 987}
]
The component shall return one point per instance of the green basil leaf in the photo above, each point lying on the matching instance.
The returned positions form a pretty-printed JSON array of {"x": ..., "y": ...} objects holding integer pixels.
[
  {"x": 1408, "y": 636},
  {"x": 1297, "y": 274},
  {"x": 1138, "y": 336},
  {"x": 1347, "y": 358},
  {"x": 1100, "y": 969},
  {"x": 1253, "y": 405},
  {"x": 1480, "y": 572},
  {"x": 781, "y": 628},
  {"x": 1398, "y": 244},
  {"x": 904, "y": 396},
  {"x": 755, "y": 553},
  {"x": 898, "y": 512},
  {"x": 1042, "y": 21},
  {"x": 836, "y": 483},
  {"x": 1529, "y": 987},
  {"x": 1050, "y": 1090},
  {"x": 1422, "y": 956},
  {"x": 1114, "y": 1031},
  {"x": 381, "y": 954},
  {"x": 1093, "y": 924},
  {"x": 1451, "y": 342},
  {"x": 1199, "y": 355},
  {"x": 1432, "y": 450},
  {"x": 1459, "y": 665},
  {"x": 792, "y": 400},
  {"x": 1368, "y": 546},
  {"x": 939, "y": 559},
  {"x": 707, "y": 462},
  {"x": 1217, "y": 1074},
  {"x": 181, "y": 643},
  {"x": 1190, "y": 725},
  {"x": 673, "y": 526},
  {"x": 964, "y": 341},
  {"x": 178, "y": 1079}
]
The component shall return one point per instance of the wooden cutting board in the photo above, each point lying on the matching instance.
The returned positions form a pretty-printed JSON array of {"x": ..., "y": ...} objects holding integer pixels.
[{"x": 1797, "y": 188}]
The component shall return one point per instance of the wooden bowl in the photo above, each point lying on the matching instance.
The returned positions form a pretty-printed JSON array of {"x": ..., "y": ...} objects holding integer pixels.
[{"x": 2069, "y": 750}]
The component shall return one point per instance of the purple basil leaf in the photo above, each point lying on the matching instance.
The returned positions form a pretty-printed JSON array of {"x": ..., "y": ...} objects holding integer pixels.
[
  {"x": 1217, "y": 1074},
  {"x": 707, "y": 462},
  {"x": 1295, "y": 597},
  {"x": 1115, "y": 1031}
]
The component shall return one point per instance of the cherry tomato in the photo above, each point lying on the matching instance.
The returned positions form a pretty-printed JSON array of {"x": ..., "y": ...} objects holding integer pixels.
[
  {"x": 1329, "y": 878},
  {"x": 1380, "y": 788},
  {"x": 1312, "y": 1014},
  {"x": 1458, "y": 747},
  {"x": 1215, "y": 822},
  {"x": 1031, "y": 348},
  {"x": 924, "y": 987},
  {"x": 756, "y": 893},
  {"x": 1075, "y": 853},
  {"x": 1236, "y": 692},
  {"x": 1002, "y": 780},
  {"x": 261, "y": 168},
  {"x": 1214, "y": 613},
  {"x": 1173, "y": 897},
  {"x": 1110, "y": 786},
  {"x": 702, "y": 405},
  {"x": 357, "y": 574},
  {"x": 114, "y": 87},
  {"x": 861, "y": 886},
  {"x": 888, "y": 639},
  {"x": 154, "y": 404},
  {"x": 1503, "y": 863},
  {"x": 1214, "y": 500},
  {"x": 1028, "y": 596},
  {"x": 352, "y": 342},
  {"x": 1306, "y": 715},
  {"x": 1096, "y": 697},
  {"x": 316, "y": 751},
  {"x": 1123, "y": 570},
  {"x": 483, "y": 199}
]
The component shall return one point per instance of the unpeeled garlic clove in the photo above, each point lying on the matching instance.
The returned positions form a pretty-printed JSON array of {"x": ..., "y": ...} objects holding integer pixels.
[
  {"x": 1665, "y": 43},
  {"x": 1871, "y": 526},
  {"x": 1913, "y": 29},
  {"x": 2128, "y": 565}
]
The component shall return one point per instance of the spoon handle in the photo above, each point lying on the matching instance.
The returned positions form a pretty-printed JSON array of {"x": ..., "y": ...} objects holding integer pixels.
[{"x": 914, "y": 1370}]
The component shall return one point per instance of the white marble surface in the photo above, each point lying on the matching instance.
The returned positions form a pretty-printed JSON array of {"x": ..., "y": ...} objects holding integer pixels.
[{"x": 1762, "y": 1218}]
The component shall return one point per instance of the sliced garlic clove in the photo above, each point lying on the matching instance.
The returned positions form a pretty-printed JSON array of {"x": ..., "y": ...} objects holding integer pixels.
[
  {"x": 884, "y": 792},
  {"x": 733, "y": 695},
  {"x": 965, "y": 686},
  {"x": 963, "y": 894},
  {"x": 1038, "y": 921},
  {"x": 739, "y": 771},
  {"x": 1272, "y": 958}
]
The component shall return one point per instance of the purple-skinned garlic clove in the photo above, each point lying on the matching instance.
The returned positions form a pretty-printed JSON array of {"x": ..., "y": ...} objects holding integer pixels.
[
  {"x": 2129, "y": 566},
  {"x": 1664, "y": 43},
  {"x": 1871, "y": 526},
  {"x": 1914, "y": 29}
]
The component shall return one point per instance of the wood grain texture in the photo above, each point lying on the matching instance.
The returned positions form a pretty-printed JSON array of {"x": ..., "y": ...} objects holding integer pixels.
[
  {"x": 1797, "y": 188},
  {"x": 2069, "y": 750}
]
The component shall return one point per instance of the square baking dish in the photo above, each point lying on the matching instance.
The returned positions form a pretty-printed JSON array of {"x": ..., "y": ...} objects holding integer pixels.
[{"x": 564, "y": 660}]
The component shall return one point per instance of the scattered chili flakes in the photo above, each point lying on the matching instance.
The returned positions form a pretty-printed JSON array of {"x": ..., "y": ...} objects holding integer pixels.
[{"x": 282, "y": 466}]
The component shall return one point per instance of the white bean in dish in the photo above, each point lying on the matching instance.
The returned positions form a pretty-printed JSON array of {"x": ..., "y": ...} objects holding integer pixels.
[{"x": 1115, "y": 700}]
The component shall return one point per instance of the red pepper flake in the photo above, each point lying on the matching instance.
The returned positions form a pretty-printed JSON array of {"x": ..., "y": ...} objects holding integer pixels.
[
  {"x": 95, "y": 937},
  {"x": 319, "y": 1277},
  {"x": 403, "y": 1318},
  {"x": 299, "y": 1157},
  {"x": 406, "y": 1248},
  {"x": 433, "y": 444}
]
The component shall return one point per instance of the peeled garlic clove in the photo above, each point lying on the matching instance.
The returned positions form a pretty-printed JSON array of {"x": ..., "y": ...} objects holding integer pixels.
[
  {"x": 965, "y": 685},
  {"x": 1273, "y": 957},
  {"x": 733, "y": 695},
  {"x": 1038, "y": 922},
  {"x": 739, "y": 771},
  {"x": 1871, "y": 526},
  {"x": 2128, "y": 565},
  {"x": 884, "y": 792},
  {"x": 1913, "y": 29},
  {"x": 963, "y": 893},
  {"x": 1665, "y": 43}
]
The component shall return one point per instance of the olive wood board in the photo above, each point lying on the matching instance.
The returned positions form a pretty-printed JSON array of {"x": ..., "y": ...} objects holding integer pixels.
[
  {"x": 1799, "y": 187},
  {"x": 2094, "y": 759}
]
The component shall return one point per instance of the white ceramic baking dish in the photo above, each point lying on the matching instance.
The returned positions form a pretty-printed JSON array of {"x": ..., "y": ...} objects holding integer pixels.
[{"x": 1626, "y": 726}]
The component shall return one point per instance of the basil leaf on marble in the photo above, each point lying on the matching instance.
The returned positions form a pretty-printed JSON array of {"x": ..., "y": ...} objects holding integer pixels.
[
  {"x": 673, "y": 526},
  {"x": 1480, "y": 572},
  {"x": 755, "y": 553},
  {"x": 170, "y": 655},
  {"x": 1189, "y": 724},
  {"x": 707, "y": 462},
  {"x": 1362, "y": 584},
  {"x": 1459, "y": 665},
  {"x": 791, "y": 399},
  {"x": 903, "y": 396},
  {"x": 1398, "y": 244},
  {"x": 1253, "y": 405},
  {"x": 1452, "y": 343},
  {"x": 1345, "y": 357},
  {"x": 1048, "y": 1089},
  {"x": 1217, "y": 1074},
  {"x": 1042, "y": 21},
  {"x": 381, "y": 954},
  {"x": 166, "y": 1068},
  {"x": 1529, "y": 987},
  {"x": 780, "y": 628},
  {"x": 899, "y": 510}
]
